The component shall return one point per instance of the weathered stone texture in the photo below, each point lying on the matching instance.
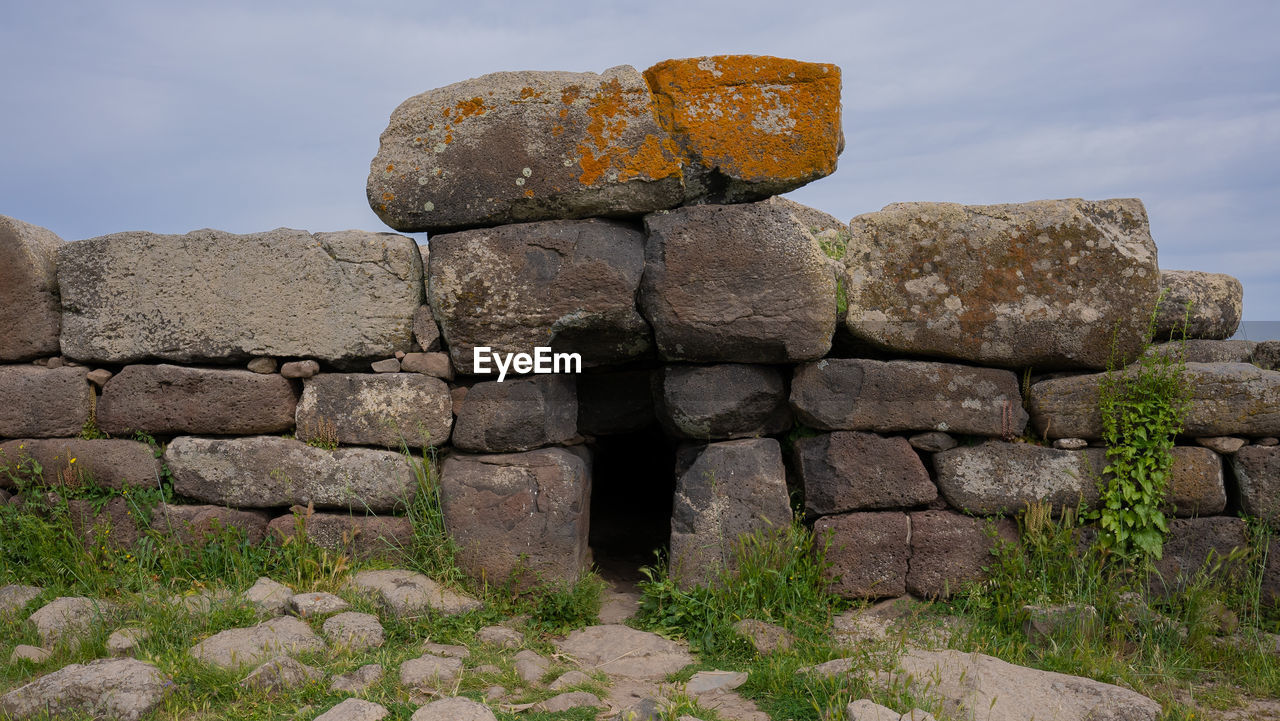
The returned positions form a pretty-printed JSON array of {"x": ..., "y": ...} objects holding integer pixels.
[
  {"x": 242, "y": 647},
  {"x": 519, "y": 511},
  {"x": 513, "y": 147},
  {"x": 1257, "y": 471},
  {"x": 30, "y": 313},
  {"x": 730, "y": 400},
  {"x": 517, "y": 415},
  {"x": 360, "y": 537},
  {"x": 850, "y": 471},
  {"x": 40, "y": 402},
  {"x": 122, "y": 689},
  {"x": 376, "y": 410},
  {"x": 106, "y": 462},
  {"x": 724, "y": 490},
  {"x": 949, "y": 549},
  {"x": 214, "y": 296},
  {"x": 1226, "y": 399},
  {"x": 1040, "y": 284},
  {"x": 264, "y": 471},
  {"x": 1196, "y": 483},
  {"x": 1193, "y": 541},
  {"x": 998, "y": 477},
  {"x": 198, "y": 524},
  {"x": 868, "y": 553},
  {"x": 1208, "y": 351},
  {"x": 1216, "y": 301},
  {"x": 857, "y": 394},
  {"x": 565, "y": 284},
  {"x": 739, "y": 283},
  {"x": 167, "y": 399},
  {"x": 751, "y": 126}
]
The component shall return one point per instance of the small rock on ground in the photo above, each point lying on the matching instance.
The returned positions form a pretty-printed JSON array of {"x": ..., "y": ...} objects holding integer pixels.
[
  {"x": 569, "y": 680},
  {"x": 15, "y": 597},
  {"x": 281, "y": 673},
  {"x": 34, "y": 654},
  {"x": 442, "y": 649},
  {"x": 354, "y": 709},
  {"x": 358, "y": 680},
  {"x": 765, "y": 637},
  {"x": 125, "y": 641},
  {"x": 500, "y": 636},
  {"x": 310, "y": 605},
  {"x": 65, "y": 618},
  {"x": 623, "y": 651},
  {"x": 430, "y": 672},
  {"x": 270, "y": 597},
  {"x": 566, "y": 701},
  {"x": 531, "y": 667},
  {"x": 868, "y": 710},
  {"x": 240, "y": 647},
  {"x": 711, "y": 681},
  {"x": 201, "y": 602},
  {"x": 455, "y": 708},
  {"x": 118, "y": 688},
  {"x": 354, "y": 631},
  {"x": 406, "y": 593}
]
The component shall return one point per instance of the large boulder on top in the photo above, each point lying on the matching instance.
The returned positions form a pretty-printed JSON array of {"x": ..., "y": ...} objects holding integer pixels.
[
  {"x": 751, "y": 126},
  {"x": 513, "y": 147},
  {"x": 739, "y": 283},
  {"x": 1002, "y": 478},
  {"x": 383, "y": 409},
  {"x": 525, "y": 512},
  {"x": 30, "y": 312},
  {"x": 1042, "y": 284},
  {"x": 266, "y": 471},
  {"x": 1227, "y": 399},
  {"x": 723, "y": 491},
  {"x": 1216, "y": 301},
  {"x": 106, "y": 462},
  {"x": 40, "y": 402},
  {"x": 211, "y": 296},
  {"x": 569, "y": 285},
  {"x": 168, "y": 399},
  {"x": 859, "y": 394}
]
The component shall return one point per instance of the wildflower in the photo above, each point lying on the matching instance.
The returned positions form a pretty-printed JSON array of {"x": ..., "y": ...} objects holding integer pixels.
[{"x": 71, "y": 461}]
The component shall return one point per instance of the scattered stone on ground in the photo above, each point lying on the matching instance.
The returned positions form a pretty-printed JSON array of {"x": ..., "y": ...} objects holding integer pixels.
[
  {"x": 729, "y": 705},
  {"x": 626, "y": 652},
  {"x": 358, "y": 680},
  {"x": 429, "y": 672},
  {"x": 566, "y": 701},
  {"x": 448, "y": 650},
  {"x": 309, "y": 605},
  {"x": 500, "y": 636},
  {"x": 570, "y": 679},
  {"x": 354, "y": 709},
  {"x": 270, "y": 597},
  {"x": 495, "y": 693},
  {"x": 712, "y": 681},
  {"x": 765, "y": 637},
  {"x": 531, "y": 667},
  {"x": 828, "y": 669},
  {"x": 868, "y": 710},
  {"x": 406, "y": 594},
  {"x": 15, "y": 597},
  {"x": 34, "y": 654},
  {"x": 239, "y": 647},
  {"x": 1043, "y": 622},
  {"x": 281, "y": 673},
  {"x": 125, "y": 641},
  {"x": 123, "y": 689},
  {"x": 65, "y": 618},
  {"x": 354, "y": 631},
  {"x": 455, "y": 708},
  {"x": 487, "y": 668},
  {"x": 200, "y": 602}
]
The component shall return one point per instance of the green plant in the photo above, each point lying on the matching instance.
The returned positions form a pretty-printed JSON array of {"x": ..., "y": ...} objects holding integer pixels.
[
  {"x": 562, "y": 607},
  {"x": 433, "y": 550},
  {"x": 1142, "y": 409}
]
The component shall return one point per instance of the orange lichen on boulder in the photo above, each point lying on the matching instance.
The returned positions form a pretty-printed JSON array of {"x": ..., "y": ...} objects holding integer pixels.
[
  {"x": 606, "y": 152},
  {"x": 766, "y": 124}
]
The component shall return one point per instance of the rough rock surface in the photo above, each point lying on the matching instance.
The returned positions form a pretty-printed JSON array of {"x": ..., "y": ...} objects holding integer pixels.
[
  {"x": 521, "y": 146},
  {"x": 526, "y": 511},
  {"x": 1257, "y": 471},
  {"x": 40, "y": 402},
  {"x": 265, "y": 471},
  {"x": 30, "y": 311},
  {"x": 430, "y": 672},
  {"x": 358, "y": 680},
  {"x": 1227, "y": 399},
  {"x": 998, "y": 477},
  {"x": 751, "y": 126},
  {"x": 354, "y": 709},
  {"x": 1196, "y": 483},
  {"x": 724, "y": 490},
  {"x": 281, "y": 673},
  {"x": 15, "y": 597},
  {"x": 34, "y": 654},
  {"x": 67, "y": 618},
  {"x": 517, "y": 415},
  {"x": 852, "y": 471},
  {"x": 454, "y": 708},
  {"x": 868, "y": 710},
  {"x": 376, "y": 410},
  {"x": 361, "y": 537},
  {"x": 988, "y": 688},
  {"x": 270, "y": 597},
  {"x": 307, "y": 605},
  {"x": 569, "y": 285},
  {"x": 113, "y": 522},
  {"x": 1041, "y": 284},
  {"x": 765, "y": 638},
  {"x": 354, "y": 631},
  {"x": 1216, "y": 302},
  {"x": 625, "y": 652},
  {"x": 198, "y": 524},
  {"x": 1266, "y": 355},
  {"x": 1193, "y": 541},
  {"x": 868, "y": 553},
  {"x": 241, "y": 647},
  {"x": 214, "y": 296},
  {"x": 405, "y": 594},
  {"x": 730, "y": 400},
  {"x": 949, "y": 549},
  {"x": 168, "y": 399},
  {"x": 612, "y": 403},
  {"x": 739, "y": 283},
  {"x": 106, "y": 462},
  {"x": 123, "y": 689},
  {"x": 1208, "y": 351},
  {"x": 857, "y": 394}
]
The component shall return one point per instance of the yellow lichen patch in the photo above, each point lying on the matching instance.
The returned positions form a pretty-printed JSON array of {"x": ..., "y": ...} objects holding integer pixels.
[
  {"x": 604, "y": 152},
  {"x": 528, "y": 92},
  {"x": 390, "y": 167},
  {"x": 466, "y": 108},
  {"x": 528, "y": 193},
  {"x": 388, "y": 197},
  {"x": 753, "y": 117}
]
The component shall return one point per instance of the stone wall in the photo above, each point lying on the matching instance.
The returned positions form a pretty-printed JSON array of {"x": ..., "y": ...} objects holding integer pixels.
[{"x": 908, "y": 374}]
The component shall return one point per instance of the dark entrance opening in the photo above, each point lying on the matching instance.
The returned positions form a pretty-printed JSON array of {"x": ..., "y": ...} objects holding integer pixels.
[{"x": 633, "y": 481}]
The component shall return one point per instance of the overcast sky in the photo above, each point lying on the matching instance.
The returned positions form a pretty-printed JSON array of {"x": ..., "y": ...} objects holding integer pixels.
[{"x": 245, "y": 116}]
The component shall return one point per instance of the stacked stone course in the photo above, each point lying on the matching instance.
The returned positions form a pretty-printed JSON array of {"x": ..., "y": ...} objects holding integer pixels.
[{"x": 875, "y": 368}]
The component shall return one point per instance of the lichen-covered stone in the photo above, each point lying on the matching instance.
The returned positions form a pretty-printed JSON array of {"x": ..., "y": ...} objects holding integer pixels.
[
  {"x": 517, "y": 415},
  {"x": 200, "y": 524},
  {"x": 1257, "y": 470},
  {"x": 724, "y": 490},
  {"x": 121, "y": 689},
  {"x": 729, "y": 400},
  {"x": 1042, "y": 284},
  {"x": 376, "y": 410},
  {"x": 858, "y": 394},
  {"x": 1207, "y": 351},
  {"x": 569, "y": 285},
  {"x": 1002, "y": 478},
  {"x": 1227, "y": 399},
  {"x": 519, "y": 511},
  {"x": 868, "y": 553},
  {"x": 387, "y": 538},
  {"x": 40, "y": 402},
  {"x": 849, "y": 471},
  {"x": 513, "y": 147},
  {"x": 751, "y": 126},
  {"x": 242, "y": 647},
  {"x": 1196, "y": 484},
  {"x": 30, "y": 313},
  {"x": 211, "y": 296},
  {"x": 106, "y": 462},
  {"x": 169, "y": 399},
  {"x": 737, "y": 283},
  {"x": 1216, "y": 301},
  {"x": 266, "y": 471}
]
